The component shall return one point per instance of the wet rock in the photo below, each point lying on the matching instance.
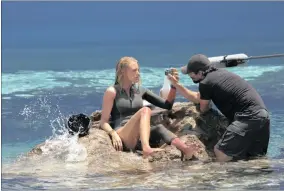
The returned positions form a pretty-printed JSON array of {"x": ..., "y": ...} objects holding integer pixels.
[{"x": 184, "y": 120}]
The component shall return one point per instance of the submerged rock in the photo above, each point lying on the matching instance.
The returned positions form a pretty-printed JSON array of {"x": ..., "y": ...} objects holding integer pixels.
[{"x": 184, "y": 120}]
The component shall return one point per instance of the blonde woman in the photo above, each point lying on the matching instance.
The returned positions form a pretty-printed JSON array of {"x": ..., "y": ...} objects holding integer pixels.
[{"x": 126, "y": 120}]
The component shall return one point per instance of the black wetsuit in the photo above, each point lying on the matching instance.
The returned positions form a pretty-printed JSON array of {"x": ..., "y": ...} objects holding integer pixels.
[
  {"x": 125, "y": 106},
  {"x": 248, "y": 133}
]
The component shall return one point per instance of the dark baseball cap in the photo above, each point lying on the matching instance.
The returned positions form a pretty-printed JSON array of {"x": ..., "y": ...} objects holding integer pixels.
[{"x": 196, "y": 63}]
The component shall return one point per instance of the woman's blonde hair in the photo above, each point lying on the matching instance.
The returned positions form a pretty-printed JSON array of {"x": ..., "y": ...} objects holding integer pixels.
[{"x": 120, "y": 65}]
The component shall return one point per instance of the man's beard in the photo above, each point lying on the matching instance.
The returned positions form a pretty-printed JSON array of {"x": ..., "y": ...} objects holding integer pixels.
[{"x": 196, "y": 81}]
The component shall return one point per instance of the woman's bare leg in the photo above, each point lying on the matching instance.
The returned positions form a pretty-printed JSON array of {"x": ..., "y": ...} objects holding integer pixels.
[
  {"x": 145, "y": 130},
  {"x": 129, "y": 133},
  {"x": 137, "y": 126}
]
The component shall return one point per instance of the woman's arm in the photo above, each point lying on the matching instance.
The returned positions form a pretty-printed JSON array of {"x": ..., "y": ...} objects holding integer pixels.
[
  {"x": 158, "y": 101},
  {"x": 108, "y": 100}
]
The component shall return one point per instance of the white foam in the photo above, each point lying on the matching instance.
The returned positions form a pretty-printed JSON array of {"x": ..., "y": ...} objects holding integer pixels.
[
  {"x": 6, "y": 97},
  {"x": 24, "y": 95},
  {"x": 252, "y": 72},
  {"x": 61, "y": 145},
  {"x": 30, "y": 83}
]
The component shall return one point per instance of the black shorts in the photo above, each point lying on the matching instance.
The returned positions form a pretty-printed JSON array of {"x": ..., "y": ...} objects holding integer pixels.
[
  {"x": 247, "y": 136},
  {"x": 158, "y": 133}
]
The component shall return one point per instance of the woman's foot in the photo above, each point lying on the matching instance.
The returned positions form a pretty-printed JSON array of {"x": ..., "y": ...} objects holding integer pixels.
[
  {"x": 188, "y": 152},
  {"x": 149, "y": 151}
]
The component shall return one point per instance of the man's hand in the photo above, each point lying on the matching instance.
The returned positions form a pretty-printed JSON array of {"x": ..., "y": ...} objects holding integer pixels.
[{"x": 188, "y": 94}]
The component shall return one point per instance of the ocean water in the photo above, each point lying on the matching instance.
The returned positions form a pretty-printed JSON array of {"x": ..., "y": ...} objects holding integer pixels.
[{"x": 58, "y": 58}]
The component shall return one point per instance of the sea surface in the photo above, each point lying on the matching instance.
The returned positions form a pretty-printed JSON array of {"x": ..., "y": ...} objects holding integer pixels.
[{"x": 58, "y": 58}]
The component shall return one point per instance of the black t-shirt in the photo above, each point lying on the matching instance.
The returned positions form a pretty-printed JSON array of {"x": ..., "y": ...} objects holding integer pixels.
[{"x": 230, "y": 93}]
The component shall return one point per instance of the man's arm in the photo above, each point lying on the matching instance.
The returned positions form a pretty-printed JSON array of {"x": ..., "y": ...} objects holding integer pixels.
[
  {"x": 188, "y": 94},
  {"x": 205, "y": 97},
  {"x": 204, "y": 105},
  {"x": 194, "y": 97}
]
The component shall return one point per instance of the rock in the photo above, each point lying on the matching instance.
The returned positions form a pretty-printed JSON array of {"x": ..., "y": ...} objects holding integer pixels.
[{"x": 184, "y": 120}]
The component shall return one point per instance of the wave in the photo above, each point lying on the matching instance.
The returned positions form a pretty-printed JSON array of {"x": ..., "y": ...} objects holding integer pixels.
[{"x": 31, "y": 83}]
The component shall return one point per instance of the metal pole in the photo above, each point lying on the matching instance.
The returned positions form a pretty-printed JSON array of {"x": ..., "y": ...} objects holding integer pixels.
[{"x": 264, "y": 56}]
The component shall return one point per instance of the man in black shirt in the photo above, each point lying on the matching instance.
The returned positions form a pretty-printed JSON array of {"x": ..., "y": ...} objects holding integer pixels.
[{"x": 248, "y": 133}]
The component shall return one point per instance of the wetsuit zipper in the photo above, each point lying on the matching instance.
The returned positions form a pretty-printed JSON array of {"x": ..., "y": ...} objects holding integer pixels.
[{"x": 130, "y": 98}]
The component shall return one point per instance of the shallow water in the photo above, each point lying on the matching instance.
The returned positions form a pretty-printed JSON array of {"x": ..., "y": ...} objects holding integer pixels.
[
  {"x": 55, "y": 175},
  {"x": 64, "y": 164}
]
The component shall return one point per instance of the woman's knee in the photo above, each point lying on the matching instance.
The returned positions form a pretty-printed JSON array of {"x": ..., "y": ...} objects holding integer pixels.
[{"x": 146, "y": 111}]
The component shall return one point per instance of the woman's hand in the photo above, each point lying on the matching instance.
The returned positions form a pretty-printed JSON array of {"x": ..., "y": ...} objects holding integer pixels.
[
  {"x": 174, "y": 73},
  {"x": 116, "y": 141},
  {"x": 173, "y": 76}
]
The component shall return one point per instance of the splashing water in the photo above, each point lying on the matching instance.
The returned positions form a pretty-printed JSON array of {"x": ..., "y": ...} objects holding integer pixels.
[
  {"x": 36, "y": 112},
  {"x": 63, "y": 146},
  {"x": 27, "y": 112},
  {"x": 42, "y": 104},
  {"x": 60, "y": 145}
]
